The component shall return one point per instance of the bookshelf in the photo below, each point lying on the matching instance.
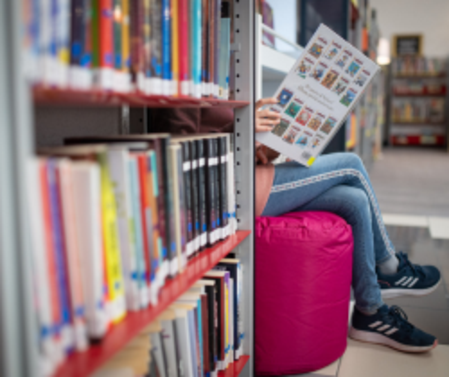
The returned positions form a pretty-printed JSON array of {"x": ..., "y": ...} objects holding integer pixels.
[
  {"x": 18, "y": 102},
  {"x": 418, "y": 102}
]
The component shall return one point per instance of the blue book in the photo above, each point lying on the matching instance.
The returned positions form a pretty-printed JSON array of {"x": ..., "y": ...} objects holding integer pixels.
[
  {"x": 136, "y": 226},
  {"x": 200, "y": 335},
  {"x": 166, "y": 46},
  {"x": 60, "y": 252},
  {"x": 196, "y": 38}
]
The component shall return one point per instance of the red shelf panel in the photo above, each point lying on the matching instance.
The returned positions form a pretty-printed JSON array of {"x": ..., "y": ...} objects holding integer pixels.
[
  {"x": 428, "y": 140},
  {"x": 85, "y": 363},
  {"x": 67, "y": 97},
  {"x": 424, "y": 94},
  {"x": 235, "y": 368},
  {"x": 418, "y": 76}
]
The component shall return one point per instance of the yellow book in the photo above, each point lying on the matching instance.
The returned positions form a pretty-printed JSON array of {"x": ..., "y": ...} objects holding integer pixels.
[
  {"x": 175, "y": 45},
  {"x": 125, "y": 36},
  {"x": 113, "y": 265}
]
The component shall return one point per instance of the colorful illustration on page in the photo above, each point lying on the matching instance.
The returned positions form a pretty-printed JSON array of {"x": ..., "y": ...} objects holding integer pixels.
[
  {"x": 304, "y": 139},
  {"x": 330, "y": 79},
  {"x": 344, "y": 59},
  {"x": 280, "y": 128},
  {"x": 284, "y": 97},
  {"x": 349, "y": 97},
  {"x": 304, "y": 116},
  {"x": 341, "y": 86},
  {"x": 354, "y": 67},
  {"x": 291, "y": 134},
  {"x": 316, "y": 121},
  {"x": 317, "y": 141},
  {"x": 318, "y": 47},
  {"x": 328, "y": 125},
  {"x": 333, "y": 51},
  {"x": 362, "y": 78},
  {"x": 294, "y": 107},
  {"x": 304, "y": 67},
  {"x": 319, "y": 71}
]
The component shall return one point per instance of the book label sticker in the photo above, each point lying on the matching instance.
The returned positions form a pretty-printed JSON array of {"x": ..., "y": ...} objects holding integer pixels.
[{"x": 317, "y": 95}]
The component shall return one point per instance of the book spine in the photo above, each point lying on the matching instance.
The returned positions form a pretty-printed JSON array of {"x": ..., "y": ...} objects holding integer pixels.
[
  {"x": 166, "y": 48},
  {"x": 196, "y": 74},
  {"x": 157, "y": 352},
  {"x": 202, "y": 197},
  {"x": 210, "y": 191},
  {"x": 83, "y": 79},
  {"x": 183, "y": 339},
  {"x": 126, "y": 41},
  {"x": 184, "y": 43},
  {"x": 211, "y": 49},
  {"x": 117, "y": 34},
  {"x": 146, "y": 47},
  {"x": 205, "y": 47},
  {"x": 137, "y": 68},
  {"x": 175, "y": 46},
  {"x": 111, "y": 243},
  {"x": 156, "y": 46},
  {"x": 194, "y": 197},
  {"x": 60, "y": 256},
  {"x": 63, "y": 42},
  {"x": 224, "y": 56},
  {"x": 221, "y": 321},
  {"x": 199, "y": 326},
  {"x": 213, "y": 320},
  {"x": 205, "y": 333},
  {"x": 223, "y": 183},
  {"x": 106, "y": 45},
  {"x": 181, "y": 207},
  {"x": 226, "y": 320},
  {"x": 216, "y": 189},
  {"x": 169, "y": 344},
  {"x": 231, "y": 188},
  {"x": 77, "y": 32},
  {"x": 136, "y": 225},
  {"x": 217, "y": 40},
  {"x": 187, "y": 167}
]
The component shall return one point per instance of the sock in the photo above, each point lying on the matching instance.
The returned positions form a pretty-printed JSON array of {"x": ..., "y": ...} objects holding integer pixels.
[{"x": 390, "y": 266}]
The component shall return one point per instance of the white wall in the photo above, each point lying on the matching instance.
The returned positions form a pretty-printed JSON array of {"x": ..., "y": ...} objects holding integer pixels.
[{"x": 427, "y": 17}]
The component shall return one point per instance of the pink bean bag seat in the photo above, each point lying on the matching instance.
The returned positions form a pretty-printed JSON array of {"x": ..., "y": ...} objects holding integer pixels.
[{"x": 303, "y": 274}]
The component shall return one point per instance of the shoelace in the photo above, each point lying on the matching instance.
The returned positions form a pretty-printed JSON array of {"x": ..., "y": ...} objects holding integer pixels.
[
  {"x": 417, "y": 270},
  {"x": 400, "y": 318}
]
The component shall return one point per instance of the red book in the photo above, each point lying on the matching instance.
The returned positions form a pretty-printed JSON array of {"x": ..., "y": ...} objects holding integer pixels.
[
  {"x": 49, "y": 246},
  {"x": 205, "y": 330},
  {"x": 106, "y": 34},
  {"x": 145, "y": 209},
  {"x": 184, "y": 50}
]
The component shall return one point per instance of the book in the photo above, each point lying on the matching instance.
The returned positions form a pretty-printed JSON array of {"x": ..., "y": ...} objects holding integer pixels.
[
  {"x": 194, "y": 171},
  {"x": 196, "y": 42},
  {"x": 184, "y": 46},
  {"x": 156, "y": 46},
  {"x": 217, "y": 41},
  {"x": 187, "y": 168},
  {"x": 211, "y": 47},
  {"x": 223, "y": 186},
  {"x": 169, "y": 342},
  {"x": 211, "y": 189},
  {"x": 137, "y": 57},
  {"x": 166, "y": 48},
  {"x": 317, "y": 95},
  {"x": 146, "y": 47},
  {"x": 183, "y": 337},
  {"x": 205, "y": 48}
]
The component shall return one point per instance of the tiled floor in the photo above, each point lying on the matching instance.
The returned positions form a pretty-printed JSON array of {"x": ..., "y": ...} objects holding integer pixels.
[{"x": 412, "y": 187}]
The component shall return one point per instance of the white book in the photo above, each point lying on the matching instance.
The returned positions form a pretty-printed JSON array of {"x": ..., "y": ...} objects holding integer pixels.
[
  {"x": 157, "y": 352},
  {"x": 317, "y": 95},
  {"x": 168, "y": 340},
  {"x": 87, "y": 204},
  {"x": 183, "y": 339},
  {"x": 119, "y": 171}
]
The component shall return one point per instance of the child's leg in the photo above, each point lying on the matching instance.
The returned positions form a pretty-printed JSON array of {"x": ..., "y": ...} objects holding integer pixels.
[
  {"x": 296, "y": 185},
  {"x": 353, "y": 205}
]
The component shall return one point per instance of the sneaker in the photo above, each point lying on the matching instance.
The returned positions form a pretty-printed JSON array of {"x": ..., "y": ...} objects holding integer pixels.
[
  {"x": 411, "y": 279},
  {"x": 389, "y": 327}
]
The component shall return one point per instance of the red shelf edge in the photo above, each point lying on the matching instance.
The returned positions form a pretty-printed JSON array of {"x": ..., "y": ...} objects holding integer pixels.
[
  {"x": 55, "y": 96},
  {"x": 85, "y": 363},
  {"x": 234, "y": 369}
]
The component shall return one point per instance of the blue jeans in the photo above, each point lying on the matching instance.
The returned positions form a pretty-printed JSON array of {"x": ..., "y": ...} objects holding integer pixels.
[{"x": 339, "y": 183}]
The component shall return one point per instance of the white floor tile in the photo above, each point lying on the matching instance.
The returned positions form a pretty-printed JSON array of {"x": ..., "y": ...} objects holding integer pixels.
[
  {"x": 405, "y": 220},
  {"x": 439, "y": 227},
  {"x": 370, "y": 360},
  {"x": 329, "y": 371}
]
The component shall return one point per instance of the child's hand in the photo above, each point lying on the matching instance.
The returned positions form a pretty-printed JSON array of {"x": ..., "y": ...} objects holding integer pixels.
[{"x": 266, "y": 119}]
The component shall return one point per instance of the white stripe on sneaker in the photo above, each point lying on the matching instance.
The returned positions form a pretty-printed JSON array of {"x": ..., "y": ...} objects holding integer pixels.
[
  {"x": 407, "y": 281},
  {"x": 400, "y": 280},
  {"x": 415, "y": 280},
  {"x": 391, "y": 331},
  {"x": 375, "y": 324},
  {"x": 383, "y": 328}
]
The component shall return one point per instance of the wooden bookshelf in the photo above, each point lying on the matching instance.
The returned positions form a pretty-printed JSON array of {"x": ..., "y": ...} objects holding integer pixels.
[
  {"x": 67, "y": 97},
  {"x": 85, "y": 363}
]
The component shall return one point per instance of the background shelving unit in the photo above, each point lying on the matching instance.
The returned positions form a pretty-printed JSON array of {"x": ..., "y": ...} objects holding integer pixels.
[{"x": 26, "y": 112}]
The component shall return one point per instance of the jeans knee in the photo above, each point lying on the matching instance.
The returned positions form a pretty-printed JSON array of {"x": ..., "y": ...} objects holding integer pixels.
[{"x": 354, "y": 161}]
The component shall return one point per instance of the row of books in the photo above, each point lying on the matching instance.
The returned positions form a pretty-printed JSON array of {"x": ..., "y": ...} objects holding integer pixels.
[
  {"x": 158, "y": 47},
  {"x": 427, "y": 86},
  {"x": 418, "y": 66},
  {"x": 198, "y": 335},
  {"x": 111, "y": 222},
  {"x": 418, "y": 110}
]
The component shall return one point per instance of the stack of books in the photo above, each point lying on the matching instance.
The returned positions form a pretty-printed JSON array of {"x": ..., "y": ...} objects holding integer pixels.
[
  {"x": 157, "y": 47},
  {"x": 111, "y": 218},
  {"x": 418, "y": 110},
  {"x": 414, "y": 66}
]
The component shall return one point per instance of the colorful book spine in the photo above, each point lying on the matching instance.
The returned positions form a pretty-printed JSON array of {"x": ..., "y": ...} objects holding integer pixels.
[
  {"x": 111, "y": 244},
  {"x": 117, "y": 27},
  {"x": 156, "y": 47},
  {"x": 146, "y": 38},
  {"x": 186, "y": 167},
  {"x": 184, "y": 51},
  {"x": 211, "y": 47},
  {"x": 63, "y": 42},
  {"x": 137, "y": 68},
  {"x": 59, "y": 256},
  {"x": 225, "y": 56},
  {"x": 202, "y": 196},
  {"x": 166, "y": 48},
  {"x": 137, "y": 231},
  {"x": 195, "y": 195},
  {"x": 176, "y": 15},
  {"x": 77, "y": 32},
  {"x": 205, "y": 47},
  {"x": 126, "y": 48},
  {"x": 197, "y": 47}
]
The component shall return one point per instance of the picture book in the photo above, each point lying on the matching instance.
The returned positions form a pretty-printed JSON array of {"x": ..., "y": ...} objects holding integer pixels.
[{"x": 317, "y": 95}]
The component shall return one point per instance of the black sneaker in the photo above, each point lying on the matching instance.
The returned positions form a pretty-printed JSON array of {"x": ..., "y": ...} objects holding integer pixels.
[
  {"x": 389, "y": 327},
  {"x": 411, "y": 279}
]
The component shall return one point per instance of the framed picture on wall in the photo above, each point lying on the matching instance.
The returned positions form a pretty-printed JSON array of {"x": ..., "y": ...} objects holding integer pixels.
[{"x": 407, "y": 45}]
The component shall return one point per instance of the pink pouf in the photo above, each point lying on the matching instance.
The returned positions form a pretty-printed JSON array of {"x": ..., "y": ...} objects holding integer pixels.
[{"x": 303, "y": 276}]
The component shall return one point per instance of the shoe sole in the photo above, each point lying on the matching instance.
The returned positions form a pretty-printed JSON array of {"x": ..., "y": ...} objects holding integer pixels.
[
  {"x": 370, "y": 337},
  {"x": 400, "y": 292}
]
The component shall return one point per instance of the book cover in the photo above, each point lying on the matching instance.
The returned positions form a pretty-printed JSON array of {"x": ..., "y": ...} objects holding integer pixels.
[
  {"x": 184, "y": 45},
  {"x": 156, "y": 46},
  {"x": 137, "y": 231},
  {"x": 166, "y": 48},
  {"x": 186, "y": 167},
  {"x": 195, "y": 194},
  {"x": 328, "y": 84}
]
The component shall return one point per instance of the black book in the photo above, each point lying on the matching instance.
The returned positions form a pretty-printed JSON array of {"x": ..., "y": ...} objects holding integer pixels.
[
  {"x": 201, "y": 181},
  {"x": 186, "y": 168},
  {"x": 77, "y": 31},
  {"x": 223, "y": 185},
  {"x": 219, "y": 225},
  {"x": 213, "y": 330},
  {"x": 195, "y": 195},
  {"x": 211, "y": 193}
]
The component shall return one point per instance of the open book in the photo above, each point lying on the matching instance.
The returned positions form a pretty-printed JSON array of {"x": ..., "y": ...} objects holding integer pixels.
[{"x": 317, "y": 95}]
